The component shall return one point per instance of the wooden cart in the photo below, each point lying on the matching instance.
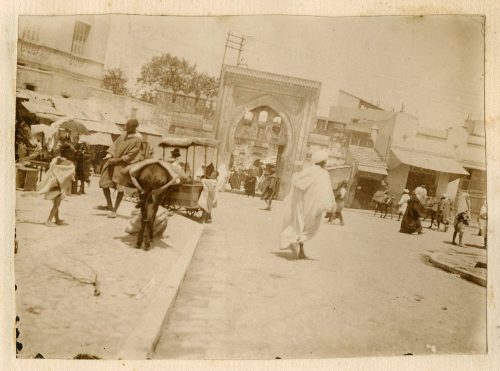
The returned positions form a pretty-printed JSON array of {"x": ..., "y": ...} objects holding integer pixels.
[{"x": 186, "y": 195}]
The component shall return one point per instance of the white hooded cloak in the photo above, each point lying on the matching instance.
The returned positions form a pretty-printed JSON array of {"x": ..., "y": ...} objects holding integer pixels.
[{"x": 310, "y": 195}]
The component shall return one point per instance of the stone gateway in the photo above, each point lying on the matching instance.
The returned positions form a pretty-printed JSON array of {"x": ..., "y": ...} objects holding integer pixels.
[{"x": 262, "y": 114}]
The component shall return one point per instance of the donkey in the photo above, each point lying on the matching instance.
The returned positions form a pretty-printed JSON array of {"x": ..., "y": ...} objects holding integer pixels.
[
  {"x": 385, "y": 206},
  {"x": 153, "y": 180}
]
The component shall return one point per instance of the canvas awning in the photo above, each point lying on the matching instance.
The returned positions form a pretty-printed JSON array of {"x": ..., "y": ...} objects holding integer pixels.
[
  {"x": 429, "y": 161},
  {"x": 187, "y": 142},
  {"x": 100, "y": 126},
  {"x": 103, "y": 139},
  {"x": 37, "y": 108},
  {"x": 48, "y": 116},
  {"x": 373, "y": 169},
  {"x": 37, "y": 129}
]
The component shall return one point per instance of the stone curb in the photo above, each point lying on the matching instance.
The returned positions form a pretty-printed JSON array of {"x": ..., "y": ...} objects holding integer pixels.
[
  {"x": 142, "y": 340},
  {"x": 434, "y": 260}
]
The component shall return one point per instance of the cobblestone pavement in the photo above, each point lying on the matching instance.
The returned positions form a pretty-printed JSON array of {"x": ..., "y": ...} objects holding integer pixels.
[
  {"x": 366, "y": 289},
  {"x": 61, "y": 317}
]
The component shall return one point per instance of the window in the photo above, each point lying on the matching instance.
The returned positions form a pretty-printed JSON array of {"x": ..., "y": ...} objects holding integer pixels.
[
  {"x": 30, "y": 33},
  {"x": 31, "y": 87},
  {"x": 248, "y": 116},
  {"x": 321, "y": 125},
  {"x": 80, "y": 36},
  {"x": 263, "y": 116}
]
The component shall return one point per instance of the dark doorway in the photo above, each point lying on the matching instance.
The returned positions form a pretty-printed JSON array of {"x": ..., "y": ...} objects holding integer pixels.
[
  {"x": 365, "y": 189},
  {"x": 418, "y": 176}
]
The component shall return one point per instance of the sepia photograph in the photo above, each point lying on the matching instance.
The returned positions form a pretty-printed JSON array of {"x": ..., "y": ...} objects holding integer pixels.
[{"x": 250, "y": 187}]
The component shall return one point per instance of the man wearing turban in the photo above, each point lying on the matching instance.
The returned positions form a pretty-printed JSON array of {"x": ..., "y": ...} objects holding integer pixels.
[{"x": 310, "y": 195}]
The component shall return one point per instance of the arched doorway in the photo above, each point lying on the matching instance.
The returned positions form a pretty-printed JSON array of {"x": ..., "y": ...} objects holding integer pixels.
[{"x": 290, "y": 105}]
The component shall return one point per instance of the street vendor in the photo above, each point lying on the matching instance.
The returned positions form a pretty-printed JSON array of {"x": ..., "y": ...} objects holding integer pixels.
[{"x": 124, "y": 151}]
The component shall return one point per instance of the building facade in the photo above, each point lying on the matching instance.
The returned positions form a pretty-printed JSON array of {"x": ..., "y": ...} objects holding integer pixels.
[
  {"x": 64, "y": 57},
  {"x": 270, "y": 114},
  {"x": 446, "y": 161}
]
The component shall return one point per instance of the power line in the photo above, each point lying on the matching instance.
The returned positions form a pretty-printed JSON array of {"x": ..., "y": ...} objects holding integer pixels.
[{"x": 234, "y": 42}]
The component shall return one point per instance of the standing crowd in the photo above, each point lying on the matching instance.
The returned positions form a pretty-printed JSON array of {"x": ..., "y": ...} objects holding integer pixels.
[{"x": 416, "y": 206}]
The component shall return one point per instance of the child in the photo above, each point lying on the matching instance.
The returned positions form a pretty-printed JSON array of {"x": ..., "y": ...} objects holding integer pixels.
[
  {"x": 208, "y": 196},
  {"x": 55, "y": 183}
]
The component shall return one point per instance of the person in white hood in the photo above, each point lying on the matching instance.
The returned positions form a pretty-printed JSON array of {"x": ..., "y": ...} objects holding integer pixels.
[{"x": 310, "y": 195}]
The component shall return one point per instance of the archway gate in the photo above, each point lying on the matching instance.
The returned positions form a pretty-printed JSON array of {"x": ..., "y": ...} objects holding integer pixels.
[{"x": 294, "y": 99}]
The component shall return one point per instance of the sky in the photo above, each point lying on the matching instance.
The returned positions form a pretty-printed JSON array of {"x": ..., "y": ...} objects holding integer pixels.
[{"x": 433, "y": 65}]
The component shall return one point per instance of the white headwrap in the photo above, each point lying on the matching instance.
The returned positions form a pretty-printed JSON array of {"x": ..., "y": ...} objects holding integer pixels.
[{"x": 319, "y": 156}]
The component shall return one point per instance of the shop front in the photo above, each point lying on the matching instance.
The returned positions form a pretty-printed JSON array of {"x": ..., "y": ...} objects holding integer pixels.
[
  {"x": 439, "y": 173},
  {"x": 368, "y": 174}
]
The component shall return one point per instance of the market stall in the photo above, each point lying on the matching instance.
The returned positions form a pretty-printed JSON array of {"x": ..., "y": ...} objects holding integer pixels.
[{"x": 186, "y": 194}]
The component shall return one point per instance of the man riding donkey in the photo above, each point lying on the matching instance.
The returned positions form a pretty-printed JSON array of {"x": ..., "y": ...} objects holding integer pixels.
[
  {"x": 131, "y": 166},
  {"x": 124, "y": 151}
]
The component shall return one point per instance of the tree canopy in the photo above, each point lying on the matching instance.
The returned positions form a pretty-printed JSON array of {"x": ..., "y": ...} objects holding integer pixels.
[
  {"x": 115, "y": 80},
  {"x": 178, "y": 75}
]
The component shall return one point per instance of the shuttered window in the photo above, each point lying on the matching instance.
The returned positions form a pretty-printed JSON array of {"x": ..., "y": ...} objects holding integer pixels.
[{"x": 80, "y": 36}]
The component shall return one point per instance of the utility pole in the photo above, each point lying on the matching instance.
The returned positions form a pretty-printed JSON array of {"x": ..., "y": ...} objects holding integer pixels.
[{"x": 234, "y": 42}]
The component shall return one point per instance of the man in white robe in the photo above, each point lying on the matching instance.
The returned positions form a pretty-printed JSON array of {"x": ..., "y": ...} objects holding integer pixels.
[{"x": 310, "y": 195}]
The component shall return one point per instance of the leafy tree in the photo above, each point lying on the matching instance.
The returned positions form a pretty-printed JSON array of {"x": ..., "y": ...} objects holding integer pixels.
[
  {"x": 167, "y": 72},
  {"x": 203, "y": 84},
  {"x": 115, "y": 80},
  {"x": 172, "y": 73}
]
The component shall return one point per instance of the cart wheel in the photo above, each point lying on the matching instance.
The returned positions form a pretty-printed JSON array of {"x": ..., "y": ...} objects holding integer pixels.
[
  {"x": 173, "y": 207},
  {"x": 190, "y": 212}
]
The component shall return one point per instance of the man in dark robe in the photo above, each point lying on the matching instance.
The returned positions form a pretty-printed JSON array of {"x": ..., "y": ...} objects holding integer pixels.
[
  {"x": 82, "y": 165},
  {"x": 250, "y": 183},
  {"x": 234, "y": 179},
  {"x": 411, "y": 220}
]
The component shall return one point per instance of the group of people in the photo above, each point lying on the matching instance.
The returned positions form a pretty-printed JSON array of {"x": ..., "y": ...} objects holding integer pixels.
[
  {"x": 311, "y": 192},
  {"x": 412, "y": 210},
  {"x": 118, "y": 172},
  {"x": 263, "y": 179}
]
